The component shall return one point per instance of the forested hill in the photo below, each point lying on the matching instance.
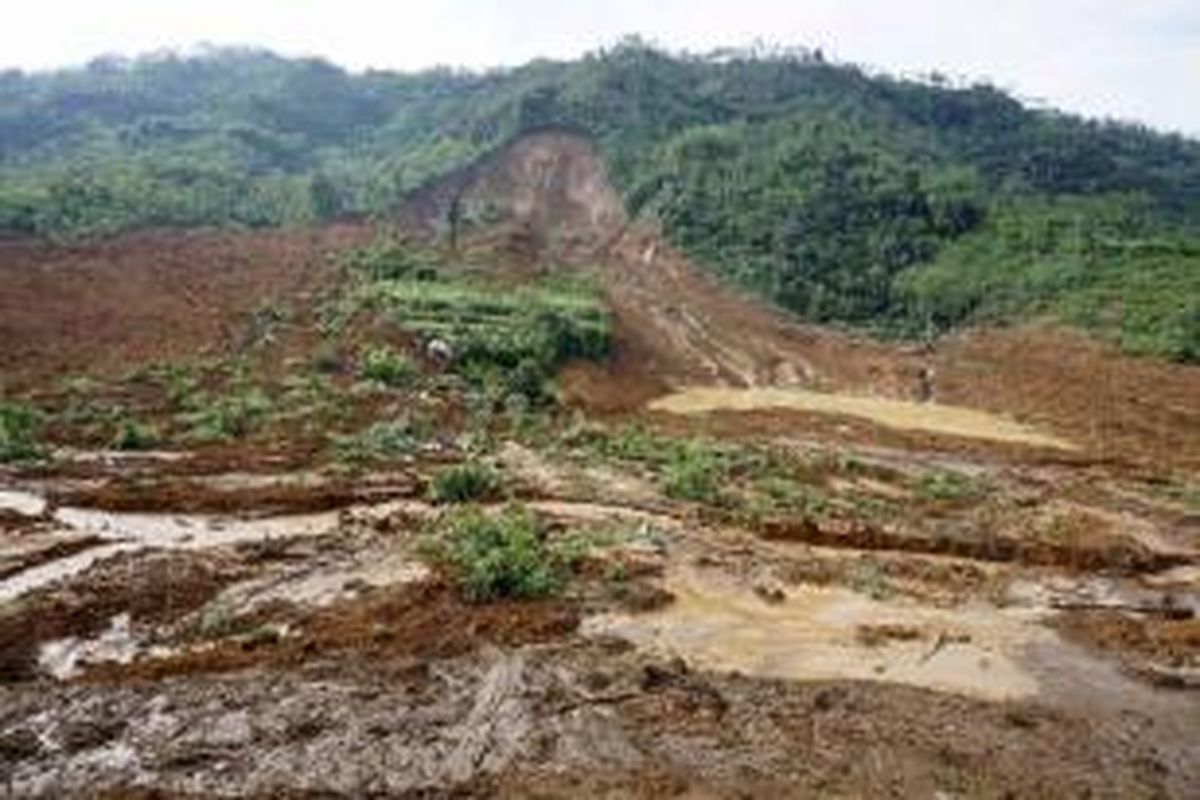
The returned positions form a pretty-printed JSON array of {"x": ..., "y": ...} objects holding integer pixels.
[{"x": 840, "y": 194}]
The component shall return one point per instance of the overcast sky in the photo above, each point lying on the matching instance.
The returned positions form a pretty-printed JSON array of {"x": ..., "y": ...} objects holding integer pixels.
[{"x": 1131, "y": 59}]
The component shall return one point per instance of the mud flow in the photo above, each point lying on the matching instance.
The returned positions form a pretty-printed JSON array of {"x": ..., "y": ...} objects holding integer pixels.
[{"x": 735, "y": 556}]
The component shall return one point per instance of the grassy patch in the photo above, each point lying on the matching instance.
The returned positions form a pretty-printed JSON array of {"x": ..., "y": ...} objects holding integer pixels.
[
  {"x": 233, "y": 416},
  {"x": 388, "y": 258},
  {"x": 134, "y": 435},
  {"x": 515, "y": 338}
]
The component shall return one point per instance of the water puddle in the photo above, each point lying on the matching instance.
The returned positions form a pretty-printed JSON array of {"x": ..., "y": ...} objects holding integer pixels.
[
  {"x": 825, "y": 633},
  {"x": 930, "y": 417}
]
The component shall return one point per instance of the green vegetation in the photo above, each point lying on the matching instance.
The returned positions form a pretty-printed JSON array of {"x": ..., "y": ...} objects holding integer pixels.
[
  {"x": 388, "y": 258},
  {"x": 695, "y": 471},
  {"x": 778, "y": 495},
  {"x": 19, "y": 428},
  {"x": 384, "y": 441},
  {"x": 529, "y": 325},
  {"x": 848, "y": 196},
  {"x": 504, "y": 556},
  {"x": 384, "y": 366},
  {"x": 944, "y": 485},
  {"x": 134, "y": 435},
  {"x": 465, "y": 483},
  {"x": 1101, "y": 263},
  {"x": 232, "y": 416},
  {"x": 513, "y": 340}
]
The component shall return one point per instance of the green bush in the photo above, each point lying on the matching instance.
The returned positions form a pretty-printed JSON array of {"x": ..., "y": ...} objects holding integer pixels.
[
  {"x": 387, "y": 259},
  {"x": 19, "y": 427},
  {"x": 386, "y": 367},
  {"x": 465, "y": 483},
  {"x": 494, "y": 557},
  {"x": 134, "y": 435},
  {"x": 234, "y": 416},
  {"x": 383, "y": 441},
  {"x": 948, "y": 486},
  {"x": 694, "y": 472}
]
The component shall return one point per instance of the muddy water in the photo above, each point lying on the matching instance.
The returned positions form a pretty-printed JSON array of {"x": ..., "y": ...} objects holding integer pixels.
[
  {"x": 814, "y": 634},
  {"x": 930, "y": 417},
  {"x": 191, "y": 532},
  {"x": 124, "y": 533},
  {"x": 27, "y": 504},
  {"x": 45, "y": 574}
]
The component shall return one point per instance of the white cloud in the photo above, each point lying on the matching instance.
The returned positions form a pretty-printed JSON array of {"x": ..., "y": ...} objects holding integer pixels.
[{"x": 1138, "y": 60}]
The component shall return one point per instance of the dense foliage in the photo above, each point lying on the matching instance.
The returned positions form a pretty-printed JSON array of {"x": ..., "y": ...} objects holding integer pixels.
[{"x": 837, "y": 193}]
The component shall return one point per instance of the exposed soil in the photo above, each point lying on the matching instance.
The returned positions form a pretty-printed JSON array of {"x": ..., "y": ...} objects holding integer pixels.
[
  {"x": 148, "y": 297},
  {"x": 154, "y": 588}
]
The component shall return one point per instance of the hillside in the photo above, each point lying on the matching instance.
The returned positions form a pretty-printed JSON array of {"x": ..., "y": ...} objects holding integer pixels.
[{"x": 842, "y": 195}]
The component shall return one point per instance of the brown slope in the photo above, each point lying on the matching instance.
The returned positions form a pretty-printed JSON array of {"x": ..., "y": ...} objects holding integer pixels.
[{"x": 110, "y": 306}]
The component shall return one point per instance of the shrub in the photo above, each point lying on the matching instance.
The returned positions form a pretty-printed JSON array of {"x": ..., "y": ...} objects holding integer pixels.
[
  {"x": 787, "y": 495},
  {"x": 384, "y": 366},
  {"x": 633, "y": 443},
  {"x": 694, "y": 472},
  {"x": 183, "y": 388},
  {"x": 383, "y": 441},
  {"x": 465, "y": 483},
  {"x": 387, "y": 259},
  {"x": 231, "y": 417},
  {"x": 19, "y": 426},
  {"x": 133, "y": 435},
  {"x": 494, "y": 557},
  {"x": 948, "y": 486}
]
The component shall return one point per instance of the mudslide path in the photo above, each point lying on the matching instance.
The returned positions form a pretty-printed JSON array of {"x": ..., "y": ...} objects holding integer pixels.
[{"x": 546, "y": 198}]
